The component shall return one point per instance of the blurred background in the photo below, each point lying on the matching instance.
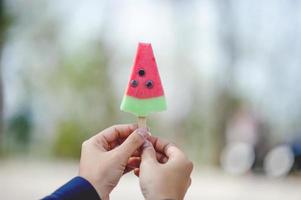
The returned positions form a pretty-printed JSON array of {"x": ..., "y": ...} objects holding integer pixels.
[{"x": 230, "y": 69}]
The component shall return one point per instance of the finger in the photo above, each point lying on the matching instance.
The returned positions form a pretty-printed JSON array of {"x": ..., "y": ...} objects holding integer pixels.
[
  {"x": 161, "y": 158},
  {"x": 121, "y": 140},
  {"x": 165, "y": 147},
  {"x": 113, "y": 145},
  {"x": 133, "y": 163},
  {"x": 118, "y": 131},
  {"x": 127, "y": 170},
  {"x": 173, "y": 152},
  {"x": 132, "y": 143},
  {"x": 137, "y": 172},
  {"x": 159, "y": 144},
  {"x": 137, "y": 153},
  {"x": 112, "y": 134},
  {"x": 148, "y": 152}
]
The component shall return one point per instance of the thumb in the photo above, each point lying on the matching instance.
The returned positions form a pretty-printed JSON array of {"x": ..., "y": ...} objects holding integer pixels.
[
  {"x": 133, "y": 142},
  {"x": 148, "y": 152}
]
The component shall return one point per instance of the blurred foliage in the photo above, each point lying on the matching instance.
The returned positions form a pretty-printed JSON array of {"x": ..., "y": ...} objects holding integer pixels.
[
  {"x": 20, "y": 128},
  {"x": 19, "y": 132},
  {"x": 70, "y": 135},
  {"x": 5, "y": 21},
  {"x": 90, "y": 104},
  {"x": 85, "y": 75}
]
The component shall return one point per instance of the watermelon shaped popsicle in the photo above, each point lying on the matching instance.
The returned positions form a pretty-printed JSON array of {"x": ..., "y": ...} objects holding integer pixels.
[{"x": 144, "y": 93}]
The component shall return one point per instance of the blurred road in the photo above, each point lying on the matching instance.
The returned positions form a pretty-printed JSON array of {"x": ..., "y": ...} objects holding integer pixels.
[{"x": 31, "y": 179}]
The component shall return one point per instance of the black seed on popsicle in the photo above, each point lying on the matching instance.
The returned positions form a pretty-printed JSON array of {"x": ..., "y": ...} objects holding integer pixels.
[
  {"x": 149, "y": 84},
  {"x": 134, "y": 83},
  {"x": 141, "y": 72}
]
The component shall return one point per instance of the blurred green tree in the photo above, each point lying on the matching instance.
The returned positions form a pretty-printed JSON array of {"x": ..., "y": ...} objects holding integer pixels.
[
  {"x": 4, "y": 22},
  {"x": 19, "y": 130},
  {"x": 70, "y": 135},
  {"x": 84, "y": 83}
]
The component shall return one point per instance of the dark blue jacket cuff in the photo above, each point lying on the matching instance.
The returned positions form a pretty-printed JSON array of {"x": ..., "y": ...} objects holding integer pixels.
[{"x": 76, "y": 189}]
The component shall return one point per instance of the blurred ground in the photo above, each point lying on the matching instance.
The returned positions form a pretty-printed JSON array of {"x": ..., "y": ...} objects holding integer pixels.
[{"x": 32, "y": 179}]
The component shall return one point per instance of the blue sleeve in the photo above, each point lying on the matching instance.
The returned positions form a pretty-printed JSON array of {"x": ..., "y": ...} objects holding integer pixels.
[{"x": 76, "y": 189}]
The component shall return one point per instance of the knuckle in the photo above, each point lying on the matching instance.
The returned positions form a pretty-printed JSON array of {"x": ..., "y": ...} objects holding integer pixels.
[
  {"x": 189, "y": 165},
  {"x": 114, "y": 127},
  {"x": 186, "y": 165},
  {"x": 85, "y": 143}
]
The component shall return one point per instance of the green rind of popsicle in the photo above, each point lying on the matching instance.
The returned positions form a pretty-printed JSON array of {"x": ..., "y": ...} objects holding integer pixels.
[{"x": 143, "y": 107}]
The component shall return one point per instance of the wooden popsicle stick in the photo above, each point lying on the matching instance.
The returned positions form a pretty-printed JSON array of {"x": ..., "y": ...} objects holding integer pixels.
[{"x": 142, "y": 123}]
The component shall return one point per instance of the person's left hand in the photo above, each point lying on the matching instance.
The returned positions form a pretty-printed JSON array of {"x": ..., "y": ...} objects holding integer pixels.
[{"x": 108, "y": 155}]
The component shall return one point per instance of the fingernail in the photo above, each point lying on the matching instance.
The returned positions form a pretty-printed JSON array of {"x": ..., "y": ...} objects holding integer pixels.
[
  {"x": 146, "y": 144},
  {"x": 143, "y": 132}
]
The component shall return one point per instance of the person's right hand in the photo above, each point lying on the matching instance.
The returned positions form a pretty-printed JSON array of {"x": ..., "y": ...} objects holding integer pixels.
[{"x": 164, "y": 172}]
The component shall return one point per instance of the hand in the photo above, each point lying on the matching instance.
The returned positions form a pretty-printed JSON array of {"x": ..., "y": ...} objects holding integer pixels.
[
  {"x": 108, "y": 155},
  {"x": 164, "y": 171}
]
